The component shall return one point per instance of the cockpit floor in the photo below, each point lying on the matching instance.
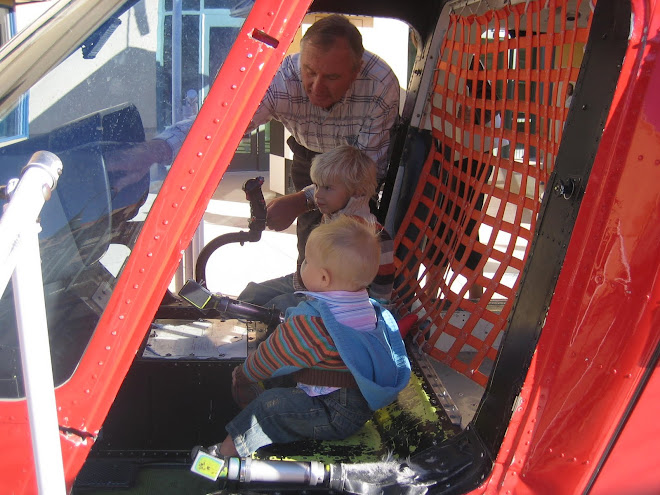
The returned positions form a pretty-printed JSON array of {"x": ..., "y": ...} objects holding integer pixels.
[{"x": 417, "y": 420}]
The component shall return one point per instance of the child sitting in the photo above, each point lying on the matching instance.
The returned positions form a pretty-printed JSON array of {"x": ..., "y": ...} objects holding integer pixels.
[
  {"x": 344, "y": 181},
  {"x": 344, "y": 351}
]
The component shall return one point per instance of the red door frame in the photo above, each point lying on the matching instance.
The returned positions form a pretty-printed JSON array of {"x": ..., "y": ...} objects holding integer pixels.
[
  {"x": 599, "y": 337},
  {"x": 597, "y": 351},
  {"x": 84, "y": 400}
]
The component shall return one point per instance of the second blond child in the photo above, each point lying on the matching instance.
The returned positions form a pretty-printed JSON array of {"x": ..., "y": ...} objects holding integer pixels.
[{"x": 344, "y": 181}]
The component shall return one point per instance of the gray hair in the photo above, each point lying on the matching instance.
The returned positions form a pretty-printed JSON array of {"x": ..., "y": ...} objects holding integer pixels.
[{"x": 325, "y": 32}]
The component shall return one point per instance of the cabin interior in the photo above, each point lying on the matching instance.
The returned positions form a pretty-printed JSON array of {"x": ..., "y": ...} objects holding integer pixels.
[{"x": 488, "y": 166}]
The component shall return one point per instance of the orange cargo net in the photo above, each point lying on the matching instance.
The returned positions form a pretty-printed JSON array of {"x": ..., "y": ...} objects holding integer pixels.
[{"x": 502, "y": 91}]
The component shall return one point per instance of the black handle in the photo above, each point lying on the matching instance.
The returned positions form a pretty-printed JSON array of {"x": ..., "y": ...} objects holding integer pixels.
[
  {"x": 256, "y": 224},
  {"x": 254, "y": 194}
]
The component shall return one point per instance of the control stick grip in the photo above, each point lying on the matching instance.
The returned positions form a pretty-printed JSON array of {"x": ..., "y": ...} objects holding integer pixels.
[{"x": 254, "y": 194}]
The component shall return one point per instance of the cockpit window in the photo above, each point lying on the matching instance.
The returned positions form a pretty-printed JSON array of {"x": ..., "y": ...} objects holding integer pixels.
[
  {"x": 13, "y": 126},
  {"x": 145, "y": 67}
]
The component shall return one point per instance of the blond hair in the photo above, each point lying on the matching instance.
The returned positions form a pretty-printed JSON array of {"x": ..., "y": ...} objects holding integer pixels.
[
  {"x": 349, "y": 249},
  {"x": 347, "y": 165}
]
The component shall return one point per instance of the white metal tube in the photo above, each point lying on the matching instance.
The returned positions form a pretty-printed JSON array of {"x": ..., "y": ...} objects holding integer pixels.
[
  {"x": 19, "y": 252},
  {"x": 27, "y": 198},
  {"x": 35, "y": 358},
  {"x": 311, "y": 473},
  {"x": 8, "y": 241}
]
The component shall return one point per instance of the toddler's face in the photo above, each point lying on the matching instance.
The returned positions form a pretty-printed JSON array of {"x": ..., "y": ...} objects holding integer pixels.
[{"x": 331, "y": 197}]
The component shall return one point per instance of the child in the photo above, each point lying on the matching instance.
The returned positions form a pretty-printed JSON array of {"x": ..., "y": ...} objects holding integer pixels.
[
  {"x": 344, "y": 181},
  {"x": 344, "y": 351}
]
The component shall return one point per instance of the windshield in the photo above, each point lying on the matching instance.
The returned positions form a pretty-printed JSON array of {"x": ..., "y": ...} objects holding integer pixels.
[{"x": 147, "y": 66}]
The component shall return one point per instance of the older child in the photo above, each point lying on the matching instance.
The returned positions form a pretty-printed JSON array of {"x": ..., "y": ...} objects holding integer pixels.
[
  {"x": 344, "y": 180},
  {"x": 344, "y": 350}
]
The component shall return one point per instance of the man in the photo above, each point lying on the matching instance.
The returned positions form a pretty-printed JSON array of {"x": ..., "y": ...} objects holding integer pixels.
[{"x": 330, "y": 94}]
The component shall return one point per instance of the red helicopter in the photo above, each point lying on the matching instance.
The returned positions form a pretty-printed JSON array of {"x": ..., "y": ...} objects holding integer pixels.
[{"x": 526, "y": 165}]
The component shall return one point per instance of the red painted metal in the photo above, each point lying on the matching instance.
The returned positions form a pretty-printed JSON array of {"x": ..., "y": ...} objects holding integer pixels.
[
  {"x": 599, "y": 337},
  {"x": 603, "y": 325},
  {"x": 84, "y": 401},
  {"x": 635, "y": 454}
]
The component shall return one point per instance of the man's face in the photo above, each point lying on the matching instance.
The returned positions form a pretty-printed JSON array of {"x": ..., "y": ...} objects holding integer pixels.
[{"x": 327, "y": 74}]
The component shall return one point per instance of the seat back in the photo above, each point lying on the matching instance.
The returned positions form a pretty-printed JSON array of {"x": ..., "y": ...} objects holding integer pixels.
[{"x": 501, "y": 96}]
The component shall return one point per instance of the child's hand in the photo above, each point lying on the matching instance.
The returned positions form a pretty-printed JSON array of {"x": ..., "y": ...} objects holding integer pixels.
[
  {"x": 243, "y": 391},
  {"x": 234, "y": 381}
]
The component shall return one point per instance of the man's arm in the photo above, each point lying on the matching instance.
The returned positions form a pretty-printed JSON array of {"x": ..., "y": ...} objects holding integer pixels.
[
  {"x": 174, "y": 136},
  {"x": 374, "y": 139},
  {"x": 263, "y": 114},
  {"x": 282, "y": 211}
]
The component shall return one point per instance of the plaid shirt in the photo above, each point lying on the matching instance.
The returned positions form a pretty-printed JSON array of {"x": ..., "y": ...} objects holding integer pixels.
[{"x": 363, "y": 118}]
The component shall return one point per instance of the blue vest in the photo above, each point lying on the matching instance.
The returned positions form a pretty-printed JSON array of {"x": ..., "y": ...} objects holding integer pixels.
[{"x": 376, "y": 358}]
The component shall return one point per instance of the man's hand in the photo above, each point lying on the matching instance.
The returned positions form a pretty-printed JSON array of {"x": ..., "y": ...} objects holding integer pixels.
[{"x": 282, "y": 211}]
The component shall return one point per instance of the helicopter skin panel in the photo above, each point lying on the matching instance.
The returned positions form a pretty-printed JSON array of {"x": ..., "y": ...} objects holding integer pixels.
[
  {"x": 84, "y": 400},
  {"x": 634, "y": 455},
  {"x": 598, "y": 352},
  {"x": 584, "y": 411}
]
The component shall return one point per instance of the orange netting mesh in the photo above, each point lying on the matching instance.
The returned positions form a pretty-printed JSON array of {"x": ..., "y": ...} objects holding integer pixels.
[{"x": 501, "y": 95}]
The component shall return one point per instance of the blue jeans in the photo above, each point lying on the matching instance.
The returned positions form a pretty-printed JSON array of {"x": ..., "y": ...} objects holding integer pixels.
[
  {"x": 283, "y": 415},
  {"x": 276, "y": 293}
]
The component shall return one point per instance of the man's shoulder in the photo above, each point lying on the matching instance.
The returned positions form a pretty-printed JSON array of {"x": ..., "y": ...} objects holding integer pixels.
[
  {"x": 290, "y": 67},
  {"x": 375, "y": 68},
  {"x": 286, "y": 86}
]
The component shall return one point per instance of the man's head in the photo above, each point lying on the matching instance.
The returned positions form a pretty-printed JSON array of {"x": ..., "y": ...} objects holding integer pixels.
[
  {"x": 339, "y": 175},
  {"x": 330, "y": 59},
  {"x": 343, "y": 254}
]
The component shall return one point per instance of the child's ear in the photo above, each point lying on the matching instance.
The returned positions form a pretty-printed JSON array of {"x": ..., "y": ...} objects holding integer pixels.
[{"x": 326, "y": 278}]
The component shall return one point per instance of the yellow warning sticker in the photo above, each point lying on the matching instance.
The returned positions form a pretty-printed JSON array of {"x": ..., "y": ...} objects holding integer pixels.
[{"x": 208, "y": 466}]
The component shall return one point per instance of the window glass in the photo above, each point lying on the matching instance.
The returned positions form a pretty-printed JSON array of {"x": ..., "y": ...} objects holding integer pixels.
[
  {"x": 13, "y": 125},
  {"x": 98, "y": 110},
  {"x": 223, "y": 4},
  {"x": 192, "y": 79},
  {"x": 190, "y": 4},
  {"x": 6, "y": 27}
]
